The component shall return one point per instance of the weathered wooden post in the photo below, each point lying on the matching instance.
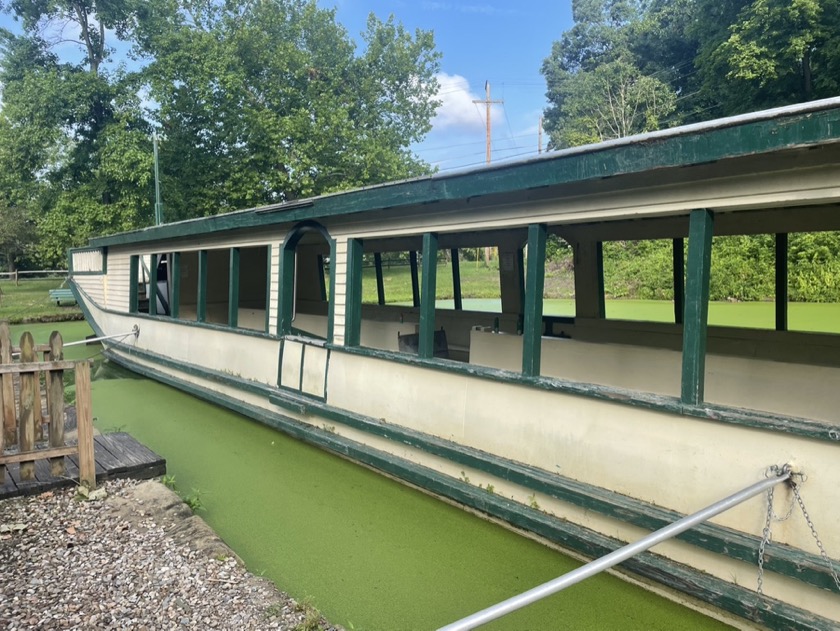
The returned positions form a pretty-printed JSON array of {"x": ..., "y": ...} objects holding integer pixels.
[
  {"x": 7, "y": 385},
  {"x": 55, "y": 402},
  {"x": 28, "y": 389},
  {"x": 84, "y": 418}
]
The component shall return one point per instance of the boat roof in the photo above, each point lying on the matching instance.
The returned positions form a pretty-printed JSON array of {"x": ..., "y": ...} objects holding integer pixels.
[{"x": 773, "y": 130}]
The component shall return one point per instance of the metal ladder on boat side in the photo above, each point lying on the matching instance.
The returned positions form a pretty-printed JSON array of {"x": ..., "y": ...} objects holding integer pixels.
[{"x": 614, "y": 558}]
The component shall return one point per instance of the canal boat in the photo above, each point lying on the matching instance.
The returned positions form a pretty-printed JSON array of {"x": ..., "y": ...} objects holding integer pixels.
[{"x": 581, "y": 429}]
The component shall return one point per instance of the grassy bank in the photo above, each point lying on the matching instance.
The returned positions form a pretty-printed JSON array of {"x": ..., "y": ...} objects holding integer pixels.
[
  {"x": 480, "y": 291},
  {"x": 29, "y": 301}
]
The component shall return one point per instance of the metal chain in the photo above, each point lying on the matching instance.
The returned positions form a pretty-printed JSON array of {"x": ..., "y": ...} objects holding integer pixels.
[
  {"x": 820, "y": 545},
  {"x": 766, "y": 533},
  {"x": 765, "y": 538}
]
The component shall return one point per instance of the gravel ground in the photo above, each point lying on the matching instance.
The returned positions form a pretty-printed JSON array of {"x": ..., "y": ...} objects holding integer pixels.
[{"x": 136, "y": 560}]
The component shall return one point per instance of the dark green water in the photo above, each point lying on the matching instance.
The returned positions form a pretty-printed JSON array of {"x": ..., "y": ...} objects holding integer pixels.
[{"x": 368, "y": 552}]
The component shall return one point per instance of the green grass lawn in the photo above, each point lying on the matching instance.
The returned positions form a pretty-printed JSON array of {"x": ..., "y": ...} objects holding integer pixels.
[{"x": 29, "y": 301}]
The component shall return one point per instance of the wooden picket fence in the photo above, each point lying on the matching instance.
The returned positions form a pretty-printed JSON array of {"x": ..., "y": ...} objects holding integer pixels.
[{"x": 22, "y": 392}]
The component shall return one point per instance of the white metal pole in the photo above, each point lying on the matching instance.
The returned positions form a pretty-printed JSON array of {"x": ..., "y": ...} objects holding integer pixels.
[{"x": 614, "y": 558}]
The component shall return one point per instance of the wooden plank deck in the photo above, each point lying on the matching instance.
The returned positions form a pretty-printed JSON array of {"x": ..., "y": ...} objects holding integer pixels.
[{"x": 117, "y": 455}]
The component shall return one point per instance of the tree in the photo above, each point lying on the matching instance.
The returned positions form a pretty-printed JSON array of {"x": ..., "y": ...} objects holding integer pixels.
[
  {"x": 596, "y": 88},
  {"x": 65, "y": 121},
  {"x": 261, "y": 102},
  {"x": 775, "y": 52}
]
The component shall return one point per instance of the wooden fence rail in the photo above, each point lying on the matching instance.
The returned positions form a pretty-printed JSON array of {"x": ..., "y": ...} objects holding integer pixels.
[{"x": 21, "y": 401}]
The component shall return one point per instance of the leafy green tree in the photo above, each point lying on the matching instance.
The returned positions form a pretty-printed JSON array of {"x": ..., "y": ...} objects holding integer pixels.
[
  {"x": 772, "y": 53},
  {"x": 261, "y": 102},
  {"x": 70, "y": 125},
  {"x": 596, "y": 87}
]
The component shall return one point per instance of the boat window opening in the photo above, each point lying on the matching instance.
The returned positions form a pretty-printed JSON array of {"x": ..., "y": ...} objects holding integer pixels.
[
  {"x": 813, "y": 283},
  {"x": 742, "y": 281},
  {"x": 478, "y": 275},
  {"x": 559, "y": 286},
  {"x": 312, "y": 281},
  {"x": 152, "y": 284},
  {"x": 639, "y": 282},
  {"x": 217, "y": 295},
  {"x": 188, "y": 286},
  {"x": 253, "y": 281}
]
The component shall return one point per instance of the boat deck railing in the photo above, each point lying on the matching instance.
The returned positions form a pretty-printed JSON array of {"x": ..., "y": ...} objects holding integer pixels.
[{"x": 622, "y": 554}]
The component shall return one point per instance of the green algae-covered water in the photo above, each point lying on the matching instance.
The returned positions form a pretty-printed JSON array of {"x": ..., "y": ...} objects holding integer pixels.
[{"x": 368, "y": 552}]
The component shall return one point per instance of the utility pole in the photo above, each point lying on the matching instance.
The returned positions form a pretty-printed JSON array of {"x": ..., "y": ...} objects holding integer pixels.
[
  {"x": 487, "y": 103},
  {"x": 158, "y": 203},
  {"x": 539, "y": 142}
]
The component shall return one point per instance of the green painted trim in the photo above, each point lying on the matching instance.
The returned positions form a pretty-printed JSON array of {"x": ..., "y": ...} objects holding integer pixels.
[
  {"x": 809, "y": 568},
  {"x": 456, "y": 279},
  {"x": 103, "y": 253},
  {"x": 280, "y": 352},
  {"x": 268, "y": 290},
  {"x": 426, "y": 345},
  {"x": 133, "y": 281},
  {"x": 678, "y": 250},
  {"x": 599, "y": 277},
  {"x": 782, "y": 559},
  {"x": 201, "y": 302},
  {"x": 415, "y": 281},
  {"x": 353, "y": 293},
  {"x": 233, "y": 288},
  {"x": 700, "y": 229},
  {"x": 331, "y": 306},
  {"x": 792, "y": 425},
  {"x": 153, "y": 265},
  {"x": 287, "y": 276},
  {"x": 532, "y": 326},
  {"x": 302, "y": 364},
  {"x": 782, "y": 282},
  {"x": 286, "y": 291},
  {"x": 175, "y": 302},
  {"x": 322, "y": 283},
  {"x": 728, "y": 596},
  {"x": 380, "y": 280},
  {"x": 772, "y": 131},
  {"x": 707, "y": 411}
]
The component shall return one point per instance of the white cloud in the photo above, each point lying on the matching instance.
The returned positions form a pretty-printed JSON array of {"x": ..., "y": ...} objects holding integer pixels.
[{"x": 457, "y": 110}]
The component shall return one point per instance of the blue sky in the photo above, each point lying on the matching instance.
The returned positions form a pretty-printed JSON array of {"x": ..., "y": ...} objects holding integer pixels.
[{"x": 499, "y": 41}]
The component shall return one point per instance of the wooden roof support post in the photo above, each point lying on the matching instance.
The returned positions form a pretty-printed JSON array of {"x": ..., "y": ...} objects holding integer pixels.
[
  {"x": 599, "y": 266},
  {"x": 679, "y": 279},
  {"x": 456, "y": 279},
  {"x": 427, "y": 298},
  {"x": 153, "y": 286},
  {"x": 201, "y": 301},
  {"x": 233, "y": 288},
  {"x": 534, "y": 287},
  {"x": 380, "y": 280},
  {"x": 175, "y": 297},
  {"x": 415, "y": 281},
  {"x": 133, "y": 282},
  {"x": 353, "y": 304},
  {"x": 782, "y": 282},
  {"x": 695, "y": 324}
]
